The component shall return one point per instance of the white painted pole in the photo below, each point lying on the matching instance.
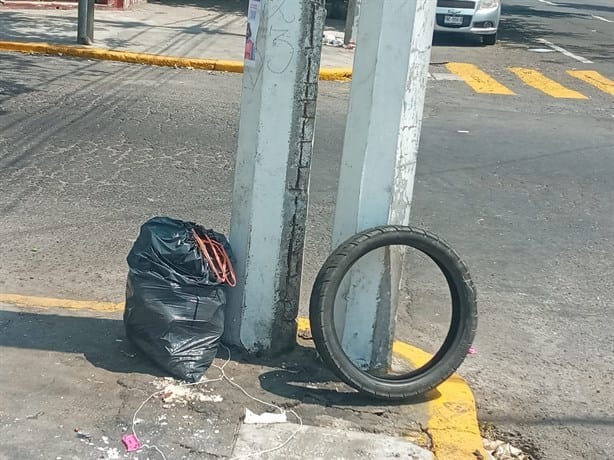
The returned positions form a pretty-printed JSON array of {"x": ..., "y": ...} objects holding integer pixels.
[
  {"x": 379, "y": 160},
  {"x": 269, "y": 209}
]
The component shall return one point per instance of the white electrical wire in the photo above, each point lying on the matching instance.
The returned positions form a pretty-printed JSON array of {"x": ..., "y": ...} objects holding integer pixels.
[
  {"x": 223, "y": 376},
  {"x": 281, "y": 411},
  {"x": 134, "y": 423}
]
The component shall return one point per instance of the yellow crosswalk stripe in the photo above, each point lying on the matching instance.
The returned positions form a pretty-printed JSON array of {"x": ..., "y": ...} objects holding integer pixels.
[
  {"x": 479, "y": 80},
  {"x": 544, "y": 84},
  {"x": 594, "y": 78}
]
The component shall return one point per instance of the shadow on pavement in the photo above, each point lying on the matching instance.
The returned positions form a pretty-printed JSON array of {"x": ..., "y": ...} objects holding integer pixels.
[
  {"x": 22, "y": 27},
  {"x": 102, "y": 341},
  {"x": 297, "y": 375},
  {"x": 9, "y": 87},
  {"x": 523, "y": 24},
  {"x": 221, "y": 6},
  {"x": 458, "y": 40},
  {"x": 586, "y": 6}
]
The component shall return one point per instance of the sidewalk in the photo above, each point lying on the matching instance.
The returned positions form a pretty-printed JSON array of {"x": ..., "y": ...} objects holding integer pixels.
[
  {"x": 72, "y": 387},
  {"x": 215, "y": 30}
]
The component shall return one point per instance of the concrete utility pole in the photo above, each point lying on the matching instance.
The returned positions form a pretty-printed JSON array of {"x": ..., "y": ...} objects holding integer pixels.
[
  {"x": 351, "y": 22},
  {"x": 85, "y": 22},
  {"x": 379, "y": 161},
  {"x": 269, "y": 209}
]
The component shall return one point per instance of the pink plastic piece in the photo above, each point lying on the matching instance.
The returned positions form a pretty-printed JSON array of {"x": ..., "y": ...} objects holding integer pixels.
[
  {"x": 472, "y": 351},
  {"x": 131, "y": 442}
]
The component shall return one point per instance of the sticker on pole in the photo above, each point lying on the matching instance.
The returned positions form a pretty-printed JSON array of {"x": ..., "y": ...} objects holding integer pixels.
[{"x": 253, "y": 21}]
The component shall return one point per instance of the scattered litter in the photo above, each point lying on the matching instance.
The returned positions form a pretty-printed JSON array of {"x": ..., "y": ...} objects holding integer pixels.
[
  {"x": 501, "y": 450},
  {"x": 131, "y": 442},
  {"x": 462, "y": 131},
  {"x": 83, "y": 434},
  {"x": 265, "y": 418},
  {"x": 111, "y": 453},
  {"x": 184, "y": 394},
  {"x": 105, "y": 440},
  {"x": 472, "y": 350}
]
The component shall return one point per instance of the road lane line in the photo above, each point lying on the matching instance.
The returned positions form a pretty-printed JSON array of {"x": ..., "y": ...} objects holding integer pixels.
[
  {"x": 544, "y": 84},
  {"x": 600, "y": 18},
  {"x": 479, "y": 80},
  {"x": 564, "y": 51},
  {"x": 594, "y": 78}
]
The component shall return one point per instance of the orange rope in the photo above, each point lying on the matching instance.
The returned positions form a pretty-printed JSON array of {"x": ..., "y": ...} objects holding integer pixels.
[{"x": 221, "y": 266}]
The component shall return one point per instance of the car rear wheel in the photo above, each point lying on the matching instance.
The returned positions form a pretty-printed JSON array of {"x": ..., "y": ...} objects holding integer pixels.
[{"x": 489, "y": 39}]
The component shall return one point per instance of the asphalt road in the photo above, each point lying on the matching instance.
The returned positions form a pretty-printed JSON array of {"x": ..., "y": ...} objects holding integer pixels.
[{"x": 520, "y": 185}]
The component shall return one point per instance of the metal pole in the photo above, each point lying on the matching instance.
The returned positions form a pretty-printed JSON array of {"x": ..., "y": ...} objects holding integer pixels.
[
  {"x": 85, "y": 22},
  {"x": 269, "y": 206}
]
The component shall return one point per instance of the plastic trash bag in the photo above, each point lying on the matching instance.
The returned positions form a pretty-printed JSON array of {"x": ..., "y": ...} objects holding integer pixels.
[{"x": 174, "y": 303}]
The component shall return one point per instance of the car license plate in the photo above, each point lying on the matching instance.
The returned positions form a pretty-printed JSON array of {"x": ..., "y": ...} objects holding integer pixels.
[{"x": 453, "y": 20}]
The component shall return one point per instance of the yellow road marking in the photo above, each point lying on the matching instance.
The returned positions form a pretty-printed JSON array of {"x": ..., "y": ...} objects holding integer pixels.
[
  {"x": 594, "y": 78},
  {"x": 453, "y": 420},
  {"x": 479, "y": 80},
  {"x": 48, "y": 302},
  {"x": 544, "y": 84}
]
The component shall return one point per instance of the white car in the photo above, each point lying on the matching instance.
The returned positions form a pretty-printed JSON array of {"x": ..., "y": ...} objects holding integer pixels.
[{"x": 479, "y": 17}]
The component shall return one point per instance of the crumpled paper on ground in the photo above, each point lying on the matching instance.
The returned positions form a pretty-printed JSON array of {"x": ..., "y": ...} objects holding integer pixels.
[{"x": 267, "y": 417}]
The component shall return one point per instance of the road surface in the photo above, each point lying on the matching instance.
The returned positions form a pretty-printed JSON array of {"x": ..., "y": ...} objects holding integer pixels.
[{"x": 520, "y": 183}]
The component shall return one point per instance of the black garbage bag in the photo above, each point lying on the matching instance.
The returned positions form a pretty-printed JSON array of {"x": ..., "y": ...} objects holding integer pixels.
[{"x": 174, "y": 302}]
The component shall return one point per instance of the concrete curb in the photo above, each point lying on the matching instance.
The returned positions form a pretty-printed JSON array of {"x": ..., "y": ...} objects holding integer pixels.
[
  {"x": 453, "y": 421},
  {"x": 334, "y": 74},
  {"x": 452, "y": 426}
]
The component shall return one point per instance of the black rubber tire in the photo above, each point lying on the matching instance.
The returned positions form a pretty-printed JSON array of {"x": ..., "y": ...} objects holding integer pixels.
[
  {"x": 458, "y": 340},
  {"x": 489, "y": 40}
]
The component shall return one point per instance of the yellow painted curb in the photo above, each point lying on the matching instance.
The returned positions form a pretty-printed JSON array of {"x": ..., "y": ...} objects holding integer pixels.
[
  {"x": 452, "y": 425},
  {"x": 341, "y": 74},
  {"x": 453, "y": 420},
  {"x": 48, "y": 302}
]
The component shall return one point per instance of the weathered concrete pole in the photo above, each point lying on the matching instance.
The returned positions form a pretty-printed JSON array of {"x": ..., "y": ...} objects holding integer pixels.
[
  {"x": 269, "y": 209},
  {"x": 379, "y": 161}
]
